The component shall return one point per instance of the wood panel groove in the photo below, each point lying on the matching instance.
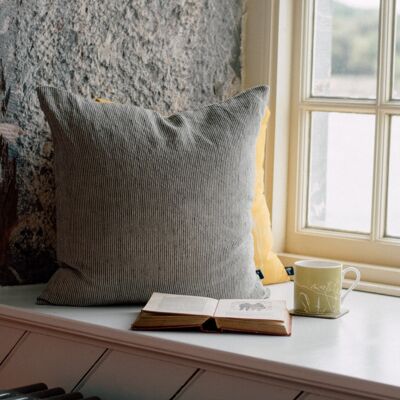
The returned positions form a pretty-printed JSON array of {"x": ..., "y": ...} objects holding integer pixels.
[
  {"x": 13, "y": 348},
  {"x": 91, "y": 370},
  {"x": 188, "y": 381}
]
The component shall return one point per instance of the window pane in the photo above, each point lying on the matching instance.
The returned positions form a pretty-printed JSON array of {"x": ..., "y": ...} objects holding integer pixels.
[
  {"x": 396, "y": 75},
  {"x": 345, "y": 48},
  {"x": 393, "y": 212},
  {"x": 341, "y": 171}
]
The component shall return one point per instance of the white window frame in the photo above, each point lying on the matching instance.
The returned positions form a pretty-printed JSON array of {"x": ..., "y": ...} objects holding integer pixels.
[{"x": 274, "y": 41}]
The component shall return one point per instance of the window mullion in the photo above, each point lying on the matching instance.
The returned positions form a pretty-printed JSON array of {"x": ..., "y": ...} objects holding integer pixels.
[
  {"x": 386, "y": 38},
  {"x": 302, "y": 124},
  {"x": 306, "y": 50},
  {"x": 340, "y": 106},
  {"x": 384, "y": 82}
]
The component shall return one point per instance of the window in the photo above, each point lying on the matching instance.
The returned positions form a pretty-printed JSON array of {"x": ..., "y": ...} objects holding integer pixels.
[
  {"x": 334, "y": 69},
  {"x": 346, "y": 123}
]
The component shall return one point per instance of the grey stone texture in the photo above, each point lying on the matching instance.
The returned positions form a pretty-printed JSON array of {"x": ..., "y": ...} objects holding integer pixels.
[{"x": 168, "y": 55}]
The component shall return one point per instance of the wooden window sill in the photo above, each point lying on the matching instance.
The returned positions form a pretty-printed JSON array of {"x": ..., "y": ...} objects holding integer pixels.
[{"x": 355, "y": 356}]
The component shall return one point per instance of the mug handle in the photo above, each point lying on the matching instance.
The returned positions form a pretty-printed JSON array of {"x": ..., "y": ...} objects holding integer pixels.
[{"x": 354, "y": 284}]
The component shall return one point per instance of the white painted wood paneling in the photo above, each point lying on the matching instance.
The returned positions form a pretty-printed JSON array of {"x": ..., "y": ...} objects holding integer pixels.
[
  {"x": 55, "y": 361},
  {"x": 8, "y": 338},
  {"x": 214, "y": 386},
  {"x": 125, "y": 376}
]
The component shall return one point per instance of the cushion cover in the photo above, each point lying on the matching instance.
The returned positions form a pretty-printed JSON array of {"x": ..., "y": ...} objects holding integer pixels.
[
  {"x": 149, "y": 203},
  {"x": 265, "y": 259}
]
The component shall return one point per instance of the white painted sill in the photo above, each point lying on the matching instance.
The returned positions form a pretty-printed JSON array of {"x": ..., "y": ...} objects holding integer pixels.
[
  {"x": 355, "y": 355},
  {"x": 374, "y": 278}
]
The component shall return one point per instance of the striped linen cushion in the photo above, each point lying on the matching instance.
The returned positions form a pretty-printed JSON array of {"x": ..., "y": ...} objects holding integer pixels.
[{"x": 149, "y": 203}]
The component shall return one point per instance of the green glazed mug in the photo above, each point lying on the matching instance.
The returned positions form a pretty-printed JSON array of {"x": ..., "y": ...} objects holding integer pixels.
[{"x": 318, "y": 287}]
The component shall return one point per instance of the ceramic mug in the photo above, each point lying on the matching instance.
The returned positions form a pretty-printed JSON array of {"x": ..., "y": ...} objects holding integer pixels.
[{"x": 318, "y": 286}]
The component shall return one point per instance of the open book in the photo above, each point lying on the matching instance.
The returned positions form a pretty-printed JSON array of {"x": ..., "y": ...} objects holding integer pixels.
[{"x": 170, "y": 311}]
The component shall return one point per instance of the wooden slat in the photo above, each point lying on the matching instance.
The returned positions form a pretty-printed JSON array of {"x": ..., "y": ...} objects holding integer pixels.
[
  {"x": 8, "y": 338},
  {"x": 127, "y": 376},
  {"x": 55, "y": 361},
  {"x": 212, "y": 385}
]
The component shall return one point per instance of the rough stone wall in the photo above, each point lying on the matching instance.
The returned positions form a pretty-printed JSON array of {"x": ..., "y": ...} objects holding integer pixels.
[{"x": 168, "y": 55}]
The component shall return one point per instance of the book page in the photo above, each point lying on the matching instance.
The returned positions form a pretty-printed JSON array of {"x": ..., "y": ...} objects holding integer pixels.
[
  {"x": 251, "y": 309},
  {"x": 180, "y": 304}
]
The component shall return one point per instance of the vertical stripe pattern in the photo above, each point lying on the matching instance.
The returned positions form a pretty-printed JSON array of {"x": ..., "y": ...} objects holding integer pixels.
[{"x": 150, "y": 203}]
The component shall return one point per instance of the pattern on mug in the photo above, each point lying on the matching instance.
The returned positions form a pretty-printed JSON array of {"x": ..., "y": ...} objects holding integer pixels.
[{"x": 327, "y": 297}]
